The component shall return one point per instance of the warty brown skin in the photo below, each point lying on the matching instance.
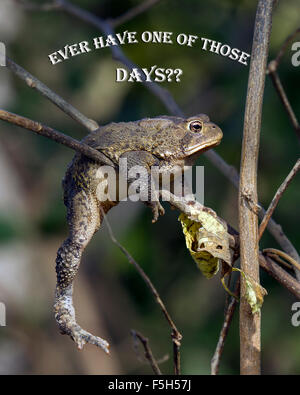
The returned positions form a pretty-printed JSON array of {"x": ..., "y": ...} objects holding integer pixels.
[{"x": 163, "y": 141}]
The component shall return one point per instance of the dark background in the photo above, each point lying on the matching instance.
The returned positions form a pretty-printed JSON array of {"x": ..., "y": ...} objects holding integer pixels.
[{"x": 110, "y": 297}]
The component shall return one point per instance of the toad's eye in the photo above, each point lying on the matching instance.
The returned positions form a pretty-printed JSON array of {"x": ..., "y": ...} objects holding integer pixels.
[{"x": 195, "y": 126}]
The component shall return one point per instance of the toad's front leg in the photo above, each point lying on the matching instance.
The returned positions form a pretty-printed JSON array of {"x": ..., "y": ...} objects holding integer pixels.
[
  {"x": 84, "y": 220},
  {"x": 141, "y": 164}
]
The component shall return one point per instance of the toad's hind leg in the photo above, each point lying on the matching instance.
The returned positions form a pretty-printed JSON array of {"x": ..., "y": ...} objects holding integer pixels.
[{"x": 84, "y": 220}]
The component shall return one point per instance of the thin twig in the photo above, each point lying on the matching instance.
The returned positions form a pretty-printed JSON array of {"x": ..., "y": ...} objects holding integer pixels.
[
  {"x": 176, "y": 335},
  {"x": 284, "y": 99},
  {"x": 215, "y": 362},
  {"x": 36, "y": 84},
  {"x": 54, "y": 135},
  {"x": 277, "y": 197},
  {"x": 272, "y": 71},
  {"x": 250, "y": 343},
  {"x": 38, "y": 7},
  {"x": 148, "y": 353},
  {"x": 288, "y": 258},
  {"x": 280, "y": 275},
  {"x": 285, "y": 45},
  {"x": 279, "y": 260},
  {"x": 133, "y": 12},
  {"x": 277, "y": 232}
]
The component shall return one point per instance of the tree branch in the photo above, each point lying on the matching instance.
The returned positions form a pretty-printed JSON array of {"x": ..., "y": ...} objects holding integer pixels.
[
  {"x": 133, "y": 12},
  {"x": 248, "y": 220},
  {"x": 283, "y": 97},
  {"x": 276, "y": 229},
  {"x": 280, "y": 275},
  {"x": 271, "y": 251},
  {"x": 285, "y": 45},
  {"x": 215, "y": 362},
  {"x": 277, "y": 197},
  {"x": 272, "y": 71},
  {"x": 279, "y": 260},
  {"x": 54, "y": 135},
  {"x": 51, "y": 5},
  {"x": 148, "y": 353},
  {"x": 36, "y": 84}
]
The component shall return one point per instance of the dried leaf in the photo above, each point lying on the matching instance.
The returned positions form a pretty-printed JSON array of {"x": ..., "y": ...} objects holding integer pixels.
[{"x": 207, "y": 240}]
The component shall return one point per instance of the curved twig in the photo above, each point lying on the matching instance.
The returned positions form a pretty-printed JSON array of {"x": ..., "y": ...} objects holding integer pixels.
[{"x": 288, "y": 258}]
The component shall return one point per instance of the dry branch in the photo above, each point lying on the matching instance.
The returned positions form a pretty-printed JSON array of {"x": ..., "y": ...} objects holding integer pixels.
[
  {"x": 148, "y": 353},
  {"x": 133, "y": 12},
  {"x": 54, "y": 135},
  {"x": 66, "y": 107},
  {"x": 280, "y": 275},
  {"x": 277, "y": 197},
  {"x": 285, "y": 45},
  {"x": 215, "y": 362},
  {"x": 248, "y": 220},
  {"x": 272, "y": 71},
  {"x": 274, "y": 251},
  {"x": 284, "y": 99}
]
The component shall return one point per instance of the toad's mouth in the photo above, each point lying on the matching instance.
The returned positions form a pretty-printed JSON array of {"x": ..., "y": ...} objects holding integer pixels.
[{"x": 201, "y": 147}]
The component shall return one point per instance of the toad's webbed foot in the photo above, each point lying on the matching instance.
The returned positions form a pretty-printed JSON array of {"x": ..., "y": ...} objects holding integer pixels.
[
  {"x": 65, "y": 317},
  {"x": 81, "y": 336}
]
